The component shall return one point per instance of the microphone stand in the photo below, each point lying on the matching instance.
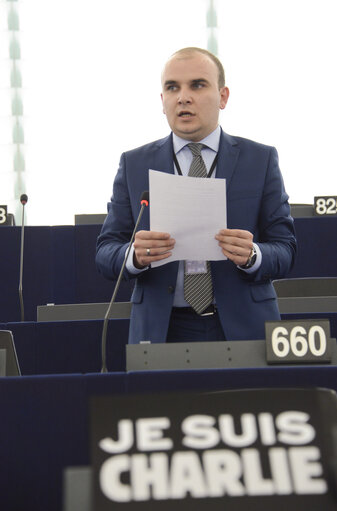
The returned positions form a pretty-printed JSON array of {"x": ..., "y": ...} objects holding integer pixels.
[
  {"x": 107, "y": 314},
  {"x": 23, "y": 202}
]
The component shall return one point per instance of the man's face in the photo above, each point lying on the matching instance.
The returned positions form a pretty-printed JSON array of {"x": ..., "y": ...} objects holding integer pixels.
[{"x": 191, "y": 96}]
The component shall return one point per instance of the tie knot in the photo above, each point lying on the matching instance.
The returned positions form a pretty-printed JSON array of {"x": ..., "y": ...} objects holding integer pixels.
[{"x": 195, "y": 148}]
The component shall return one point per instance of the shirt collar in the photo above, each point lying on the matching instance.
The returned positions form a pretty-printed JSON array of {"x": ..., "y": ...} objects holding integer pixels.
[{"x": 212, "y": 141}]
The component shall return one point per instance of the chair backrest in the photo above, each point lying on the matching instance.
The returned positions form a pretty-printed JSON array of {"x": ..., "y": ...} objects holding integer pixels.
[
  {"x": 11, "y": 219},
  {"x": 301, "y": 210},
  {"x": 96, "y": 218},
  {"x": 7, "y": 344},
  {"x": 306, "y": 287}
]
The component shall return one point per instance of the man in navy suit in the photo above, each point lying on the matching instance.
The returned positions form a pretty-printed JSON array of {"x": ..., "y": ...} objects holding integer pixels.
[{"x": 259, "y": 243}]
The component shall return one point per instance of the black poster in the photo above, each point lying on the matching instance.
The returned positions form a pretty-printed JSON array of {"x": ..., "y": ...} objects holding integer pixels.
[{"x": 245, "y": 450}]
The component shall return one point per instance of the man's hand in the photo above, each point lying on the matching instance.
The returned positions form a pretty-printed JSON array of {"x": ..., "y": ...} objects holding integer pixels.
[
  {"x": 151, "y": 246},
  {"x": 236, "y": 244}
]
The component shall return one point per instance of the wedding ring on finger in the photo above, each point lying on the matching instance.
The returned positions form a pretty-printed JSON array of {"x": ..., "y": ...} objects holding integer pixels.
[{"x": 148, "y": 252}]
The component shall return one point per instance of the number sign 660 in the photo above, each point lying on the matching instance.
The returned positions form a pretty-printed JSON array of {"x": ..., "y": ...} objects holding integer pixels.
[{"x": 299, "y": 341}]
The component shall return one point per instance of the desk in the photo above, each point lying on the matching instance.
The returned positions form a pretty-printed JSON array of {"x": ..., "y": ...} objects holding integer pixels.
[
  {"x": 317, "y": 245},
  {"x": 69, "y": 347},
  {"x": 59, "y": 267},
  {"x": 44, "y": 419},
  {"x": 75, "y": 346},
  {"x": 59, "y": 264}
]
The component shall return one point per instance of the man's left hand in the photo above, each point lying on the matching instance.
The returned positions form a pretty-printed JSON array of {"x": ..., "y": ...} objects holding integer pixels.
[{"x": 236, "y": 244}]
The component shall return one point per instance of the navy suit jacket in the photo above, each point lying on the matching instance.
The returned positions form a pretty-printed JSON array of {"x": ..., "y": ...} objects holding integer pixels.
[{"x": 256, "y": 201}]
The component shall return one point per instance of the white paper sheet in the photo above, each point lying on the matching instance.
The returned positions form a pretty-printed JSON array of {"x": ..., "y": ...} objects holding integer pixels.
[{"x": 192, "y": 210}]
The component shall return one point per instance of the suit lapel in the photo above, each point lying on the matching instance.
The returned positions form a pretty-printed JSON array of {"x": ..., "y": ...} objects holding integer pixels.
[
  {"x": 160, "y": 157},
  {"x": 228, "y": 157},
  {"x": 163, "y": 156}
]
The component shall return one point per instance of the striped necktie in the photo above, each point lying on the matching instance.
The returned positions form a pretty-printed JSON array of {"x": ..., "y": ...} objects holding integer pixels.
[{"x": 198, "y": 288}]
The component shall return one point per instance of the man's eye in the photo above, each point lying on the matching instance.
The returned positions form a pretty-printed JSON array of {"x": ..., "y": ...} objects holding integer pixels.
[{"x": 171, "y": 87}]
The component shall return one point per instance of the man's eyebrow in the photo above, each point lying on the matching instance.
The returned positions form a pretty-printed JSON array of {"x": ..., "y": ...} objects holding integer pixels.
[
  {"x": 195, "y": 81},
  {"x": 170, "y": 82},
  {"x": 199, "y": 80}
]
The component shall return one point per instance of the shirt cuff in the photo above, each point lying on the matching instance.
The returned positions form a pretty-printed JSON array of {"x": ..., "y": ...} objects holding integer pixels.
[
  {"x": 129, "y": 263},
  {"x": 257, "y": 263}
]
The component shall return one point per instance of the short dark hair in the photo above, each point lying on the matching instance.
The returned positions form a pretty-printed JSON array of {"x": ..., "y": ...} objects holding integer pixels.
[{"x": 193, "y": 49}]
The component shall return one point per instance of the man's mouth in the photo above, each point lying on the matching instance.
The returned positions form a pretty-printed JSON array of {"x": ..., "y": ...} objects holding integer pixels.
[{"x": 185, "y": 114}]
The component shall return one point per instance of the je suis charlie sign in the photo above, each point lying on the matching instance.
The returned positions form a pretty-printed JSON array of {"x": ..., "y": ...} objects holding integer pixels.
[{"x": 234, "y": 450}]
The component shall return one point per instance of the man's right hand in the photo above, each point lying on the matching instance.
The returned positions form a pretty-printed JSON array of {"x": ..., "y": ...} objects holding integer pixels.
[{"x": 151, "y": 246}]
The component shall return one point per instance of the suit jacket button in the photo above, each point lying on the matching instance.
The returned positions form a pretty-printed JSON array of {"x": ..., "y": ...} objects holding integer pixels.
[{"x": 170, "y": 289}]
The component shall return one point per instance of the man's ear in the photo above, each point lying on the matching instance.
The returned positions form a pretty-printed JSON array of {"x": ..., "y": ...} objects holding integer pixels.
[{"x": 224, "y": 95}]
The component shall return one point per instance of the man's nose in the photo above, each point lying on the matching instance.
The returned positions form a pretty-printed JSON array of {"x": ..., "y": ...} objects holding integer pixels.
[{"x": 184, "y": 97}]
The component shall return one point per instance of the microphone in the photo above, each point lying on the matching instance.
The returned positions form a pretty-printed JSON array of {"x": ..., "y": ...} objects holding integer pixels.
[
  {"x": 23, "y": 200},
  {"x": 144, "y": 201}
]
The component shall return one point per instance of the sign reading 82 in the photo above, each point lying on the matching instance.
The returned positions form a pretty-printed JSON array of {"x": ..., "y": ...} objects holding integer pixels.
[{"x": 325, "y": 205}]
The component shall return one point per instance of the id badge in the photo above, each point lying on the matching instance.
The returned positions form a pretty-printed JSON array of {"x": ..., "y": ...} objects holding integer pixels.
[{"x": 192, "y": 267}]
